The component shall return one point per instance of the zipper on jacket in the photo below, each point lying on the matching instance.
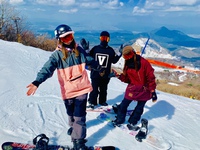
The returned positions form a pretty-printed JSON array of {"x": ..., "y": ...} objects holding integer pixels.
[{"x": 76, "y": 78}]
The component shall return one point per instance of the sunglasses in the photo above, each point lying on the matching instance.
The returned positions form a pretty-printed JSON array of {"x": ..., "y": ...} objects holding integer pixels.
[
  {"x": 129, "y": 55},
  {"x": 104, "y": 38},
  {"x": 67, "y": 39}
]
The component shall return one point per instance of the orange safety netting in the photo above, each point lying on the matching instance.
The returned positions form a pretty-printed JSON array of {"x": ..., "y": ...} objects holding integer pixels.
[{"x": 171, "y": 66}]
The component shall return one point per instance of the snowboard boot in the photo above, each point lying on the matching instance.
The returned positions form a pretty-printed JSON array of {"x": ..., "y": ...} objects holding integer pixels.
[
  {"x": 69, "y": 131},
  {"x": 41, "y": 142},
  {"x": 90, "y": 106},
  {"x": 117, "y": 122},
  {"x": 133, "y": 127},
  {"x": 103, "y": 104},
  {"x": 143, "y": 131},
  {"x": 115, "y": 108},
  {"x": 120, "y": 118},
  {"x": 80, "y": 144}
]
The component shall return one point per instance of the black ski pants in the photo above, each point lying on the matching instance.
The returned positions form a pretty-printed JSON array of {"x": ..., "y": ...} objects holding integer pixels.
[
  {"x": 137, "y": 112},
  {"x": 100, "y": 86}
]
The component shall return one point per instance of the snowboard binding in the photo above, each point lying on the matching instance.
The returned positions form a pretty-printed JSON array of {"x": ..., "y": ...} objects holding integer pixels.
[
  {"x": 41, "y": 142},
  {"x": 143, "y": 130}
]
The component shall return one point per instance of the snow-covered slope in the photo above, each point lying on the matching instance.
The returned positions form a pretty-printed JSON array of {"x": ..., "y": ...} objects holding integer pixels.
[
  {"x": 153, "y": 49},
  {"x": 172, "y": 117}
]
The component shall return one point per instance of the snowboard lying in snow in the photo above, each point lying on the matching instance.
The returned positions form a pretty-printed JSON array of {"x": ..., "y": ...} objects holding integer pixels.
[
  {"x": 40, "y": 142},
  {"x": 23, "y": 146},
  {"x": 157, "y": 143}
]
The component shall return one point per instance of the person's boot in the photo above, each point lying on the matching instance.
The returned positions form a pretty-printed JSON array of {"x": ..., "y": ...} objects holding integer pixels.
[
  {"x": 80, "y": 144},
  {"x": 115, "y": 108},
  {"x": 120, "y": 118},
  {"x": 118, "y": 122},
  {"x": 69, "y": 131},
  {"x": 133, "y": 127}
]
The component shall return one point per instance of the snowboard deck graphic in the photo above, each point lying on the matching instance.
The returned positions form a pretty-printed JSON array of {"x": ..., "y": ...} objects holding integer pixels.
[
  {"x": 157, "y": 143},
  {"x": 23, "y": 146},
  {"x": 107, "y": 109}
]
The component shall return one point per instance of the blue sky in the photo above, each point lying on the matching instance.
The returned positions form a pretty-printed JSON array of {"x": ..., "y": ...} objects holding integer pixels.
[{"x": 132, "y": 15}]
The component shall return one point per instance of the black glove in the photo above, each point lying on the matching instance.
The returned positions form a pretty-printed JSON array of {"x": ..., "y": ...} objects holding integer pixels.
[
  {"x": 154, "y": 96},
  {"x": 84, "y": 44}
]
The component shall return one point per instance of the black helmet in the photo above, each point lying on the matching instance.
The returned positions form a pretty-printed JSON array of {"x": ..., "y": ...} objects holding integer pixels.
[{"x": 62, "y": 30}]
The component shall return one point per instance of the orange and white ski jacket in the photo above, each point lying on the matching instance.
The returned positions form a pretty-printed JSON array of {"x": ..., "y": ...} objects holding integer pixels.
[{"x": 72, "y": 75}]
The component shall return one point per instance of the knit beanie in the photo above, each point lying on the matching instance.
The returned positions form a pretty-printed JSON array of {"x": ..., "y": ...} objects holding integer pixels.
[
  {"x": 128, "y": 52},
  {"x": 105, "y": 33}
]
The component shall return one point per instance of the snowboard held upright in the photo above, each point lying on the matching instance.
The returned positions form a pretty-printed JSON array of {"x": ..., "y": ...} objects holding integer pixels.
[{"x": 40, "y": 142}]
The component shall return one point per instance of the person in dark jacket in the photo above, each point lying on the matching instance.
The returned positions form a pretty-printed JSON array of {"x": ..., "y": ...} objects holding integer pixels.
[
  {"x": 105, "y": 56},
  {"x": 69, "y": 60},
  {"x": 139, "y": 75}
]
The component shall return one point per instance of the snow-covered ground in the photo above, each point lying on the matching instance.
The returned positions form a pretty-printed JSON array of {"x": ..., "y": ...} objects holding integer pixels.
[{"x": 172, "y": 117}]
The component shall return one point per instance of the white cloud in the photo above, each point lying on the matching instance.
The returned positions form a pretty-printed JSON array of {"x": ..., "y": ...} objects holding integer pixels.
[
  {"x": 66, "y": 2},
  {"x": 113, "y": 4},
  {"x": 121, "y": 4},
  {"x": 140, "y": 11},
  {"x": 59, "y": 2},
  {"x": 45, "y": 1},
  {"x": 15, "y": 1},
  {"x": 174, "y": 9},
  {"x": 112, "y": 9},
  {"x": 70, "y": 11},
  {"x": 40, "y": 9},
  {"x": 89, "y": 4},
  {"x": 198, "y": 8},
  {"x": 183, "y": 2},
  {"x": 168, "y": 6},
  {"x": 152, "y": 4},
  {"x": 110, "y": 4}
]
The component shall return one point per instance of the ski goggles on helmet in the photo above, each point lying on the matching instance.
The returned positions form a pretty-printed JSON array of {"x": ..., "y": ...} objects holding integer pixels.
[
  {"x": 128, "y": 55},
  {"x": 67, "y": 39},
  {"x": 104, "y": 38}
]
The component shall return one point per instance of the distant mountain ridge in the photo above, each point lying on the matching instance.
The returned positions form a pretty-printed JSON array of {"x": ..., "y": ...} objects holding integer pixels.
[
  {"x": 176, "y": 42},
  {"x": 171, "y": 38},
  {"x": 179, "y": 44},
  {"x": 174, "y": 37}
]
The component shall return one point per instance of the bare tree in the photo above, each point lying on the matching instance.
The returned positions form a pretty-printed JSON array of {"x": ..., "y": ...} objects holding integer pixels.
[
  {"x": 5, "y": 17},
  {"x": 11, "y": 23},
  {"x": 13, "y": 27}
]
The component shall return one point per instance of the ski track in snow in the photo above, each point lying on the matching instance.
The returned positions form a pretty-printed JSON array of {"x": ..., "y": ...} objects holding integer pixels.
[{"x": 41, "y": 115}]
